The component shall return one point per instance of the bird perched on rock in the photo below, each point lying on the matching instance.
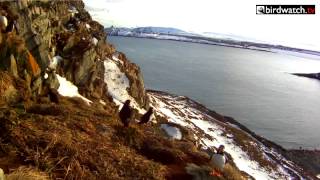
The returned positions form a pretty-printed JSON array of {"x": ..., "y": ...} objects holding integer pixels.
[
  {"x": 147, "y": 116},
  {"x": 125, "y": 113}
]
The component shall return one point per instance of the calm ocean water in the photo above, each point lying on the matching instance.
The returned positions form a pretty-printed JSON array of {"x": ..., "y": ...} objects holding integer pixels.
[{"x": 254, "y": 87}]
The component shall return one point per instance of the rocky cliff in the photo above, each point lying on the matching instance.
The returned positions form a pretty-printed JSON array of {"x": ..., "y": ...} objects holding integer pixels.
[{"x": 59, "y": 37}]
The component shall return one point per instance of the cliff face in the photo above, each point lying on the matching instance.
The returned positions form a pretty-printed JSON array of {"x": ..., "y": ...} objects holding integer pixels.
[{"x": 61, "y": 37}]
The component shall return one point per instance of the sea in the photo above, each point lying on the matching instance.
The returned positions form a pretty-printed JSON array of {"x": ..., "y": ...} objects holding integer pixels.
[{"x": 254, "y": 87}]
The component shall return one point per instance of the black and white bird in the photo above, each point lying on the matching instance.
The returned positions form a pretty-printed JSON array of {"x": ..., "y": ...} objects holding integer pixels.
[
  {"x": 146, "y": 117},
  {"x": 218, "y": 160}
]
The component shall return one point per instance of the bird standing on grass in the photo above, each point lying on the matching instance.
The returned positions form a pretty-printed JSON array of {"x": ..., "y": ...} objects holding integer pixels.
[
  {"x": 146, "y": 117},
  {"x": 125, "y": 113}
]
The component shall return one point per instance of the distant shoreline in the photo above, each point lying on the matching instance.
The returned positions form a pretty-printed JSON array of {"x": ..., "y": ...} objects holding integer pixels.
[{"x": 227, "y": 43}]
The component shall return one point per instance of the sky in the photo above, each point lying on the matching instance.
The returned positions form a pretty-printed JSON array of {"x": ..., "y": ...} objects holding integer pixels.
[{"x": 231, "y": 17}]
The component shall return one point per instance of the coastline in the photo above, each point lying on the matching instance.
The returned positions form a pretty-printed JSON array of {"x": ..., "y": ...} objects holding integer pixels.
[
  {"x": 233, "y": 44},
  {"x": 308, "y": 161}
]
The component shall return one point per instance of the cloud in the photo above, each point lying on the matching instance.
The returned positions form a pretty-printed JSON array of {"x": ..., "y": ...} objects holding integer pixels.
[{"x": 226, "y": 17}]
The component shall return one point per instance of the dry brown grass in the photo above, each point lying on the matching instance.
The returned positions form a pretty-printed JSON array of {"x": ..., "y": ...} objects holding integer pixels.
[
  {"x": 8, "y": 92},
  {"x": 25, "y": 173},
  {"x": 73, "y": 141},
  {"x": 15, "y": 43},
  {"x": 232, "y": 173},
  {"x": 203, "y": 172},
  {"x": 5, "y": 82}
]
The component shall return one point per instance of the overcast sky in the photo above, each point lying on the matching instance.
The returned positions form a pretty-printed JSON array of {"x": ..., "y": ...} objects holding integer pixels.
[{"x": 218, "y": 16}]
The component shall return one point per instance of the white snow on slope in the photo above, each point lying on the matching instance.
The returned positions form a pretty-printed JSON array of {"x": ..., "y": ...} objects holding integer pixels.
[
  {"x": 178, "y": 111},
  {"x": 118, "y": 85},
  {"x": 66, "y": 88},
  {"x": 318, "y": 176},
  {"x": 173, "y": 132}
]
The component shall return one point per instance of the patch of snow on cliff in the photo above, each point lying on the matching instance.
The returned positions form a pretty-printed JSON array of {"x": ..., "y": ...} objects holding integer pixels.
[
  {"x": 67, "y": 88},
  {"x": 318, "y": 176},
  {"x": 177, "y": 110},
  {"x": 173, "y": 132},
  {"x": 118, "y": 85}
]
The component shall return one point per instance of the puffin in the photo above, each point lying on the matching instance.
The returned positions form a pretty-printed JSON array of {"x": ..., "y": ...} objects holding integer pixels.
[
  {"x": 125, "y": 113},
  {"x": 146, "y": 117},
  {"x": 218, "y": 160}
]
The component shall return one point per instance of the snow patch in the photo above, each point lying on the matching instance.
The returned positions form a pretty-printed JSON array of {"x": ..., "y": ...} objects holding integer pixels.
[
  {"x": 118, "y": 85},
  {"x": 318, "y": 176},
  {"x": 180, "y": 111},
  {"x": 173, "y": 132},
  {"x": 117, "y": 81},
  {"x": 67, "y": 88}
]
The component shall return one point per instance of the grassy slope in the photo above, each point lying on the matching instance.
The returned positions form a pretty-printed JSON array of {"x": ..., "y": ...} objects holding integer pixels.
[{"x": 74, "y": 141}]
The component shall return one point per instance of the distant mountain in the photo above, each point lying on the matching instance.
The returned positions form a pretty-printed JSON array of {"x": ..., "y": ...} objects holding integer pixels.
[
  {"x": 209, "y": 38},
  {"x": 140, "y": 31}
]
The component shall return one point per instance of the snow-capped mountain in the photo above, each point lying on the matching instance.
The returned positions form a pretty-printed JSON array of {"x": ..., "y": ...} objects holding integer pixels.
[{"x": 140, "y": 31}]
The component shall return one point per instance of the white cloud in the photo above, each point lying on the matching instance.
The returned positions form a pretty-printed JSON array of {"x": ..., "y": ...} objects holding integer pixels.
[{"x": 227, "y": 16}]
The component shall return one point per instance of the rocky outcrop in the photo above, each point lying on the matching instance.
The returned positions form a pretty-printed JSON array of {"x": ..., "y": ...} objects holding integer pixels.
[
  {"x": 137, "y": 89},
  {"x": 49, "y": 29}
]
